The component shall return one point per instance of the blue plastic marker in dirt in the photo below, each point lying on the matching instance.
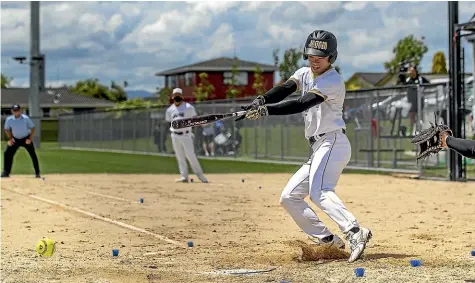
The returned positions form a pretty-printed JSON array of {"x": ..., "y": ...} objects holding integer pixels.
[
  {"x": 115, "y": 252},
  {"x": 141, "y": 200},
  {"x": 415, "y": 262},
  {"x": 473, "y": 253},
  {"x": 190, "y": 244},
  {"x": 359, "y": 272}
]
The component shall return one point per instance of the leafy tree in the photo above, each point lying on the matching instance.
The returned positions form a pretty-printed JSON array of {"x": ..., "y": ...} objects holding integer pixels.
[
  {"x": 163, "y": 94},
  {"x": 439, "y": 65},
  {"x": 204, "y": 89},
  {"x": 117, "y": 92},
  {"x": 408, "y": 49},
  {"x": 135, "y": 103},
  {"x": 233, "y": 90},
  {"x": 92, "y": 88},
  {"x": 289, "y": 64},
  {"x": 258, "y": 84},
  {"x": 6, "y": 81}
]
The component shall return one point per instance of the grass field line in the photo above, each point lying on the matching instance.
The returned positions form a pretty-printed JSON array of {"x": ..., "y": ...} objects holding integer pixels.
[{"x": 105, "y": 219}]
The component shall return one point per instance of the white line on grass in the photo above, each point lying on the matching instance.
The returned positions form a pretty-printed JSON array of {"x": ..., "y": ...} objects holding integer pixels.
[{"x": 122, "y": 224}]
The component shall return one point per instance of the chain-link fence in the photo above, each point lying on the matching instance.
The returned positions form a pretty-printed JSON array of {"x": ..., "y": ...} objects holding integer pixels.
[{"x": 380, "y": 124}]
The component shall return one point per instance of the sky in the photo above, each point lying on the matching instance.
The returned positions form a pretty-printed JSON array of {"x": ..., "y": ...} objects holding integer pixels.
[{"x": 131, "y": 41}]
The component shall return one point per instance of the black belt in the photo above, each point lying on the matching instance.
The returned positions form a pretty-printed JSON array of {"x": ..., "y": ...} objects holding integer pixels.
[
  {"x": 312, "y": 140},
  {"x": 181, "y": 133}
]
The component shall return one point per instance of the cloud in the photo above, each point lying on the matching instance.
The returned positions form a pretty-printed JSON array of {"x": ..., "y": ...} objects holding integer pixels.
[
  {"x": 134, "y": 40},
  {"x": 220, "y": 43}
]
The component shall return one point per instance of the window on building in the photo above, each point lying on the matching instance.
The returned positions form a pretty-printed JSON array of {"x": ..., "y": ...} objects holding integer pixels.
[
  {"x": 241, "y": 78},
  {"x": 172, "y": 81},
  {"x": 189, "y": 78}
]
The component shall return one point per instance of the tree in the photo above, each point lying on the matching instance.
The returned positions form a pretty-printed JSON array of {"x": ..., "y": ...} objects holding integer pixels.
[
  {"x": 258, "y": 84},
  {"x": 233, "y": 90},
  {"x": 290, "y": 62},
  {"x": 163, "y": 94},
  {"x": 439, "y": 65},
  {"x": 117, "y": 93},
  {"x": 92, "y": 88},
  {"x": 204, "y": 89},
  {"x": 135, "y": 103},
  {"x": 6, "y": 81},
  {"x": 408, "y": 49}
]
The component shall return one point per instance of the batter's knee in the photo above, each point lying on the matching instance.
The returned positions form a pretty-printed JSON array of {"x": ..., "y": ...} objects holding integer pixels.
[{"x": 286, "y": 198}]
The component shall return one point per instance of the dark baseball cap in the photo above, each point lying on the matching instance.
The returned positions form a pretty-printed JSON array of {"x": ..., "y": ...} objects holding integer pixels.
[{"x": 16, "y": 107}]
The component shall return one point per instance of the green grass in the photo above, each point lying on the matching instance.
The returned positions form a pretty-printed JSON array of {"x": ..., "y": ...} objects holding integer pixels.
[{"x": 57, "y": 161}]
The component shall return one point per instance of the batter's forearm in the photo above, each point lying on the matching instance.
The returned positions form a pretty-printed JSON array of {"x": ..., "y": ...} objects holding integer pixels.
[
  {"x": 462, "y": 146},
  {"x": 295, "y": 106},
  {"x": 279, "y": 93}
]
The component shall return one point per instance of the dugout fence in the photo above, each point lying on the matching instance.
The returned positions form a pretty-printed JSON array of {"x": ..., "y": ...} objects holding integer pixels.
[{"x": 378, "y": 126}]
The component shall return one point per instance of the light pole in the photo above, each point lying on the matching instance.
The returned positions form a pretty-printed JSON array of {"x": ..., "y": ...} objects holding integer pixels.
[{"x": 35, "y": 63}]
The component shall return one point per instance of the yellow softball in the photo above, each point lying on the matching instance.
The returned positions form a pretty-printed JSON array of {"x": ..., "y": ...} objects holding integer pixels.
[{"x": 45, "y": 247}]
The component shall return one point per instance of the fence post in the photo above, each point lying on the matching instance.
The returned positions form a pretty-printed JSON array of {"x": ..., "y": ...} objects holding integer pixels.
[
  {"x": 378, "y": 132},
  {"x": 255, "y": 139},
  {"x": 282, "y": 125},
  {"x": 100, "y": 132},
  {"x": 371, "y": 139},
  {"x": 419, "y": 120},
  {"x": 133, "y": 127},
  {"x": 148, "y": 130},
  {"x": 266, "y": 137},
  {"x": 121, "y": 130}
]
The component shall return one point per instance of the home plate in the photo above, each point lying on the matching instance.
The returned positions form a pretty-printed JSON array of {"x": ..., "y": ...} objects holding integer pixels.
[{"x": 239, "y": 271}]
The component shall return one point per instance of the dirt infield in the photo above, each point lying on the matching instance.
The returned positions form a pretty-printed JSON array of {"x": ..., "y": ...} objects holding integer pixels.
[{"x": 234, "y": 225}]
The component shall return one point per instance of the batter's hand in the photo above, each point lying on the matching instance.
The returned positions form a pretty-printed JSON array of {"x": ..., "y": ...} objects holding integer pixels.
[
  {"x": 443, "y": 138},
  {"x": 259, "y": 101},
  {"x": 257, "y": 112}
]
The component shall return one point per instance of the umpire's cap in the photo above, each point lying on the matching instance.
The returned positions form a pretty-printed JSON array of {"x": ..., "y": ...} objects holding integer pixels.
[
  {"x": 15, "y": 107},
  {"x": 321, "y": 43}
]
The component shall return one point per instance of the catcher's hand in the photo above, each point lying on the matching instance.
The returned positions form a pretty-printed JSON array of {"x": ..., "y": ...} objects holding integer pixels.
[
  {"x": 431, "y": 141},
  {"x": 259, "y": 101}
]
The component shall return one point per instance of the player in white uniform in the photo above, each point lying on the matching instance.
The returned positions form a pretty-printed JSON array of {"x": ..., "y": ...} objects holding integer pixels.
[
  {"x": 182, "y": 139},
  {"x": 321, "y": 102}
]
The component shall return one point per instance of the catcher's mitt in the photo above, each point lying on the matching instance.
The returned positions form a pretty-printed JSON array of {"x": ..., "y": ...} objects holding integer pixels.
[{"x": 429, "y": 141}]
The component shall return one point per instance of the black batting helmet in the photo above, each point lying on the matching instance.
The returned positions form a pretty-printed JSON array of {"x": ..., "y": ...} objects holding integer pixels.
[{"x": 321, "y": 43}]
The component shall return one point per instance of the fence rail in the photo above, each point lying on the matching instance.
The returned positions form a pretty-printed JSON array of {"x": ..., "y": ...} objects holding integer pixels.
[{"x": 379, "y": 127}]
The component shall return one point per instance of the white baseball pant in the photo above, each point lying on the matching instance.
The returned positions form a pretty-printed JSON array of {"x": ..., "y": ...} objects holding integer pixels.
[
  {"x": 317, "y": 178},
  {"x": 185, "y": 149}
]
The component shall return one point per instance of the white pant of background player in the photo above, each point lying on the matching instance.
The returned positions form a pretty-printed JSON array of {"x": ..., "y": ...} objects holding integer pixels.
[
  {"x": 317, "y": 178},
  {"x": 185, "y": 149}
]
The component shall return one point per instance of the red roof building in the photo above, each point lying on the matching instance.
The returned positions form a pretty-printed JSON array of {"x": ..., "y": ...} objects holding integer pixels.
[{"x": 219, "y": 75}]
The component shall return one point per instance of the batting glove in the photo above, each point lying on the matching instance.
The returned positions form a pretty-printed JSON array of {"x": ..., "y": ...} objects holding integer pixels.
[
  {"x": 257, "y": 112},
  {"x": 258, "y": 101}
]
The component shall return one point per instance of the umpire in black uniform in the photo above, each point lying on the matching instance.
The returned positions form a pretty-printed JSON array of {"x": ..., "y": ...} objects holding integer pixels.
[{"x": 20, "y": 130}]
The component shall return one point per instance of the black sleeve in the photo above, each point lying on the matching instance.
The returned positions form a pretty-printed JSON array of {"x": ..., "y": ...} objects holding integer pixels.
[
  {"x": 306, "y": 101},
  {"x": 279, "y": 93},
  {"x": 464, "y": 147}
]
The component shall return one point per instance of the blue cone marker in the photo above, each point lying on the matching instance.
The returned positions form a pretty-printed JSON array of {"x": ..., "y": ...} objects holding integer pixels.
[{"x": 359, "y": 272}]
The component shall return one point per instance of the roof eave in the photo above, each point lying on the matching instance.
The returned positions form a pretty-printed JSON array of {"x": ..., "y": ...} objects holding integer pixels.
[{"x": 212, "y": 69}]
